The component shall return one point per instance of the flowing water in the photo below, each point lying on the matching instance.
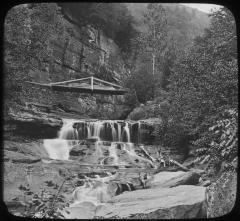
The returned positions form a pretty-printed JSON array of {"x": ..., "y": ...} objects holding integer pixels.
[{"x": 120, "y": 151}]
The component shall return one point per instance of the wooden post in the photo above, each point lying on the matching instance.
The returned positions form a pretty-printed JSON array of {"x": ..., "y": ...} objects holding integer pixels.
[{"x": 92, "y": 83}]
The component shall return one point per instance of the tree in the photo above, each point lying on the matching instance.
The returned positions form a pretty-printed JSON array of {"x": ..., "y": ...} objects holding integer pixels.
[
  {"x": 155, "y": 19},
  {"x": 204, "y": 82}
]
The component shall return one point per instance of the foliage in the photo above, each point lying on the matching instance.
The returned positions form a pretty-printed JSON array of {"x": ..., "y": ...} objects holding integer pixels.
[
  {"x": 204, "y": 81},
  {"x": 223, "y": 138},
  {"x": 49, "y": 204},
  {"x": 142, "y": 82},
  {"x": 155, "y": 39},
  {"x": 28, "y": 30}
]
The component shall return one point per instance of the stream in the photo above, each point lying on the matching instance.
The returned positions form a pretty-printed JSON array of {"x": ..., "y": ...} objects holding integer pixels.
[
  {"x": 103, "y": 169},
  {"x": 112, "y": 146}
]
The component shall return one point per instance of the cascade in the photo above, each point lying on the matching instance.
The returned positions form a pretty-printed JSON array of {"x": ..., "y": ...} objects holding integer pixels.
[
  {"x": 119, "y": 134},
  {"x": 59, "y": 148},
  {"x": 67, "y": 131},
  {"x": 119, "y": 131},
  {"x": 114, "y": 132},
  {"x": 118, "y": 149},
  {"x": 127, "y": 132},
  {"x": 139, "y": 132}
]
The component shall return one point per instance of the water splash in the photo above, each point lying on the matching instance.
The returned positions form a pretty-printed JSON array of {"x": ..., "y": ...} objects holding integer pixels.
[
  {"x": 60, "y": 147},
  {"x": 57, "y": 149},
  {"x": 94, "y": 191}
]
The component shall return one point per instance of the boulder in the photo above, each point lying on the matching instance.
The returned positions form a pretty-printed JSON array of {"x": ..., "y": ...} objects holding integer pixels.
[
  {"x": 172, "y": 179},
  {"x": 78, "y": 150},
  {"x": 116, "y": 188},
  {"x": 158, "y": 203}
]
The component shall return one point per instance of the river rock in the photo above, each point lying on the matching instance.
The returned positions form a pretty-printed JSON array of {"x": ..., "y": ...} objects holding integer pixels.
[
  {"x": 78, "y": 150},
  {"x": 172, "y": 179},
  {"x": 158, "y": 203},
  {"x": 116, "y": 188}
]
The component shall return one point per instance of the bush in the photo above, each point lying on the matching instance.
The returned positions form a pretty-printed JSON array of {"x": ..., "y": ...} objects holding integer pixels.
[{"x": 221, "y": 142}]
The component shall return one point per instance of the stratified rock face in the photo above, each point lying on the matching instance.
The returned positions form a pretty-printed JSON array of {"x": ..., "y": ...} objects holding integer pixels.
[
  {"x": 33, "y": 124},
  {"x": 161, "y": 203},
  {"x": 221, "y": 195}
]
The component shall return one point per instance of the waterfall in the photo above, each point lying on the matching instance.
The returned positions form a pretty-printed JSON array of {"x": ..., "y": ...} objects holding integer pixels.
[
  {"x": 127, "y": 132},
  {"x": 67, "y": 131},
  {"x": 74, "y": 130},
  {"x": 114, "y": 132},
  {"x": 94, "y": 129},
  {"x": 59, "y": 148},
  {"x": 139, "y": 132},
  {"x": 119, "y": 131}
]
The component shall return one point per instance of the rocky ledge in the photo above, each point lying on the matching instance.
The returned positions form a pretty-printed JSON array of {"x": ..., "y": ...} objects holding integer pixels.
[{"x": 32, "y": 123}]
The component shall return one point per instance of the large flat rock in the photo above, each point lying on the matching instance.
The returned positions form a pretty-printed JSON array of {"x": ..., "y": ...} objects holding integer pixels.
[
  {"x": 183, "y": 201},
  {"x": 172, "y": 179}
]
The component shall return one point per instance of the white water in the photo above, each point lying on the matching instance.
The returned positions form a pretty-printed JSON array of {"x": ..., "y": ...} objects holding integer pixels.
[
  {"x": 57, "y": 149},
  {"x": 94, "y": 129},
  {"x": 67, "y": 131},
  {"x": 98, "y": 149},
  {"x": 68, "y": 137},
  {"x": 60, "y": 147},
  {"x": 127, "y": 132},
  {"x": 119, "y": 132},
  {"x": 94, "y": 190},
  {"x": 114, "y": 132},
  {"x": 113, "y": 153}
]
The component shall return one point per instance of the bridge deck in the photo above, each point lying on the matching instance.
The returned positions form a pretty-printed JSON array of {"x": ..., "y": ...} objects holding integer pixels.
[{"x": 96, "y": 86}]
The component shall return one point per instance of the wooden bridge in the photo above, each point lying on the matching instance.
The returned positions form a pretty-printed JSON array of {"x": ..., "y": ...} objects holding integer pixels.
[{"x": 84, "y": 85}]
